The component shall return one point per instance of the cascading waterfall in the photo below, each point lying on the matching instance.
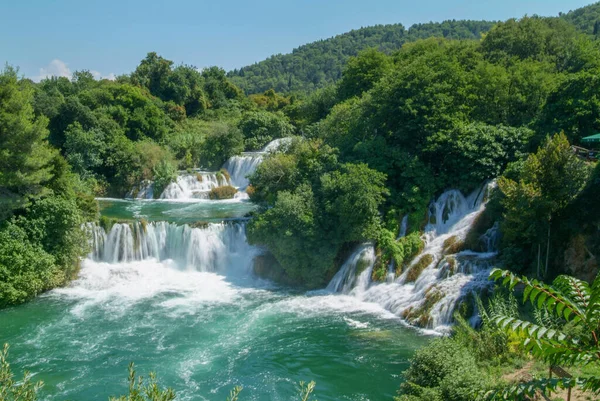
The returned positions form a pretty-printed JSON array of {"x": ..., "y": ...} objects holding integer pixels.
[
  {"x": 197, "y": 185},
  {"x": 244, "y": 165},
  {"x": 447, "y": 279},
  {"x": 194, "y": 186},
  {"x": 208, "y": 249},
  {"x": 240, "y": 167},
  {"x": 360, "y": 261}
]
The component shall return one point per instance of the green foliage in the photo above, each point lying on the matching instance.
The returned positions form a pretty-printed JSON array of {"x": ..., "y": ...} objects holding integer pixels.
[
  {"x": 312, "y": 207},
  {"x": 585, "y": 19},
  {"x": 164, "y": 173},
  {"x": 352, "y": 196},
  {"x": 26, "y": 270},
  {"x": 363, "y": 72},
  {"x": 141, "y": 391},
  {"x": 25, "y": 157},
  {"x": 549, "y": 181},
  {"x": 318, "y": 64},
  {"x": 220, "y": 143},
  {"x": 16, "y": 390},
  {"x": 260, "y": 127},
  {"x": 443, "y": 370},
  {"x": 469, "y": 155},
  {"x": 574, "y": 302},
  {"x": 224, "y": 192}
]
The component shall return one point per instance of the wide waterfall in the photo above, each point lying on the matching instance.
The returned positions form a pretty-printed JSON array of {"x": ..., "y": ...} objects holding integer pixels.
[
  {"x": 195, "y": 185},
  {"x": 211, "y": 248},
  {"x": 447, "y": 279}
]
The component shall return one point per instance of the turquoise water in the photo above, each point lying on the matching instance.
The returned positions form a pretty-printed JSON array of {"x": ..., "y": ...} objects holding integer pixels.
[
  {"x": 175, "y": 211},
  {"x": 204, "y": 333}
]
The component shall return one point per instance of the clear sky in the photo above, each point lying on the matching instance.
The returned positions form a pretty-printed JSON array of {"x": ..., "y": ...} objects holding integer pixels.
[{"x": 111, "y": 36}]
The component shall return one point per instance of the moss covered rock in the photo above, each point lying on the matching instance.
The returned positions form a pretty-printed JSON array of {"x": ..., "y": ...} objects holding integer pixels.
[{"x": 226, "y": 192}]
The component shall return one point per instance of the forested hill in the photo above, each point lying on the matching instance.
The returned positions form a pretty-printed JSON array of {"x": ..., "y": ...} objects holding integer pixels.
[
  {"x": 586, "y": 19},
  {"x": 319, "y": 63}
]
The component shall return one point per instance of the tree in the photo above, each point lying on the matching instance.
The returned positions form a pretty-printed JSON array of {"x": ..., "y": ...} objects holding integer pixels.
[
  {"x": 363, "y": 72},
  {"x": 351, "y": 197},
  {"x": 574, "y": 305},
  {"x": 25, "y": 156},
  {"x": 549, "y": 181},
  {"x": 261, "y": 127},
  {"x": 26, "y": 270}
]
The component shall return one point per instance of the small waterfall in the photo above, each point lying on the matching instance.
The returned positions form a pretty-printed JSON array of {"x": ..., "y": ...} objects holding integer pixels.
[
  {"x": 345, "y": 279},
  {"x": 240, "y": 167},
  {"x": 442, "y": 277},
  {"x": 209, "y": 249},
  {"x": 194, "y": 185}
]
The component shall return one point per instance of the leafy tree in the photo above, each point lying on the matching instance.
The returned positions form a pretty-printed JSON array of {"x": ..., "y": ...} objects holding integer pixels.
[
  {"x": 363, "y": 72},
  {"x": 573, "y": 303},
  {"x": 26, "y": 270},
  {"x": 573, "y": 107},
  {"x": 319, "y": 64},
  {"x": 260, "y": 128},
  {"x": 352, "y": 196},
  {"x": 220, "y": 143},
  {"x": 164, "y": 173},
  {"x": 84, "y": 149},
  {"x": 25, "y": 157},
  {"x": 468, "y": 155},
  {"x": 549, "y": 181}
]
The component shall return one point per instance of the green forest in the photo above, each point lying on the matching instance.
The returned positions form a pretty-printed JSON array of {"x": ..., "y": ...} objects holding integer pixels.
[{"x": 383, "y": 119}]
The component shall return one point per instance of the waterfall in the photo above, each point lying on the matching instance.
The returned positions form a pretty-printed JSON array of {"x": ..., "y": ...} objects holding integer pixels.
[
  {"x": 240, "y": 167},
  {"x": 345, "y": 279},
  {"x": 194, "y": 186},
  {"x": 442, "y": 277},
  {"x": 208, "y": 249}
]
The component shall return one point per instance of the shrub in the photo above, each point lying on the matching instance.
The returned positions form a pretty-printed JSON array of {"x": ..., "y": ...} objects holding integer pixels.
[
  {"x": 226, "y": 192},
  {"x": 26, "y": 270}
]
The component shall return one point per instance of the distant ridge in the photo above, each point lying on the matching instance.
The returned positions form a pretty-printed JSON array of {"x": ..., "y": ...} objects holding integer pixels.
[{"x": 319, "y": 63}]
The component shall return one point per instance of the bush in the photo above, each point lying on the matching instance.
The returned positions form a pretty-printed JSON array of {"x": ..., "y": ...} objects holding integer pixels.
[
  {"x": 443, "y": 370},
  {"x": 26, "y": 270},
  {"x": 226, "y": 192}
]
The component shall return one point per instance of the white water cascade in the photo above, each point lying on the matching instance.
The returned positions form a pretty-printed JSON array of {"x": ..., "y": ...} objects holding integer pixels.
[
  {"x": 197, "y": 185},
  {"x": 244, "y": 165},
  {"x": 448, "y": 278},
  {"x": 194, "y": 186},
  {"x": 211, "y": 248}
]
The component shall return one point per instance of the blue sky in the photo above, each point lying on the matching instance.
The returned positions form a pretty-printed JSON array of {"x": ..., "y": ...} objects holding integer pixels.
[{"x": 111, "y": 36}]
